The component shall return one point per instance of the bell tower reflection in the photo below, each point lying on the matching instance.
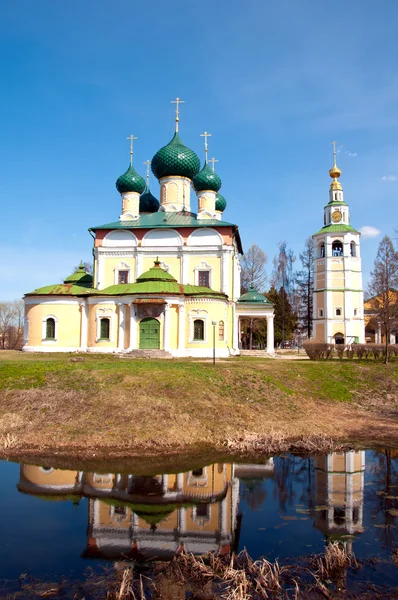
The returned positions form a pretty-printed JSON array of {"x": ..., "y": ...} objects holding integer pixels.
[{"x": 339, "y": 495}]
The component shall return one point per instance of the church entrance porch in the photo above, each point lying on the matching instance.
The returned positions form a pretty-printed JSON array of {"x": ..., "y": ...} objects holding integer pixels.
[{"x": 149, "y": 334}]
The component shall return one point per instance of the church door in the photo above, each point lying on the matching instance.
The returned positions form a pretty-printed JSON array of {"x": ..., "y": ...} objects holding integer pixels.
[{"x": 149, "y": 334}]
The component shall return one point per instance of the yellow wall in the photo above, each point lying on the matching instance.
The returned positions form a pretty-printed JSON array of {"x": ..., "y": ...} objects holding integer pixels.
[{"x": 67, "y": 328}]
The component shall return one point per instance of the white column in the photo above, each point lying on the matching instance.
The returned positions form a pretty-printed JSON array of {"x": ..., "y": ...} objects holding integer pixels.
[
  {"x": 100, "y": 272},
  {"x": 181, "y": 329},
  {"x": 235, "y": 318},
  {"x": 270, "y": 334},
  {"x": 180, "y": 482},
  {"x": 166, "y": 329},
  {"x": 184, "y": 269},
  {"x": 182, "y": 520},
  {"x": 133, "y": 329},
  {"x": 122, "y": 320},
  {"x": 223, "y": 517},
  {"x": 165, "y": 483},
  {"x": 83, "y": 326},
  {"x": 138, "y": 265},
  {"x": 224, "y": 272},
  {"x": 349, "y": 461}
]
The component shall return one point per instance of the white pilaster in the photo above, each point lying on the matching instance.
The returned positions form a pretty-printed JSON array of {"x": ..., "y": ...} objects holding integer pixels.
[
  {"x": 184, "y": 269},
  {"x": 180, "y": 482},
  {"x": 166, "y": 330},
  {"x": 224, "y": 273},
  {"x": 270, "y": 334},
  {"x": 235, "y": 318},
  {"x": 83, "y": 325},
  {"x": 122, "y": 320},
  {"x": 133, "y": 329},
  {"x": 138, "y": 265},
  {"x": 181, "y": 328},
  {"x": 223, "y": 517}
]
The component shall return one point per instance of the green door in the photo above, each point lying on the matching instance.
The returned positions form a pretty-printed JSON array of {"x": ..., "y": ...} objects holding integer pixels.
[{"x": 149, "y": 333}]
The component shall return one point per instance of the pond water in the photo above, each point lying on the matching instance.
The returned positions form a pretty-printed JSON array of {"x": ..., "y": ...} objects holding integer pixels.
[{"x": 57, "y": 523}]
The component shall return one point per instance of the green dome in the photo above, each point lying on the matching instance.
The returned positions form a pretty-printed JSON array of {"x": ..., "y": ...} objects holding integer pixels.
[
  {"x": 155, "y": 273},
  {"x": 80, "y": 277},
  {"x": 175, "y": 159},
  {"x": 253, "y": 296},
  {"x": 206, "y": 179},
  {"x": 130, "y": 181},
  {"x": 148, "y": 202},
  {"x": 221, "y": 203}
]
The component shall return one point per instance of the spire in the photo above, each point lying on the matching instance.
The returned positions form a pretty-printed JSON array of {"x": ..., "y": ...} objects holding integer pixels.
[
  {"x": 177, "y": 101},
  {"x": 148, "y": 166},
  {"x": 131, "y": 138},
  {"x": 206, "y": 135},
  {"x": 335, "y": 171}
]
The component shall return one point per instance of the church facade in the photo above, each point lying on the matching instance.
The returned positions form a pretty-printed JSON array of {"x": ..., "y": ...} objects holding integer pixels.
[
  {"x": 338, "y": 307},
  {"x": 166, "y": 274}
]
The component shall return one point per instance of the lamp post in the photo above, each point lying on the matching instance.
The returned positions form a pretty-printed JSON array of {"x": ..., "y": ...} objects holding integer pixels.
[{"x": 214, "y": 323}]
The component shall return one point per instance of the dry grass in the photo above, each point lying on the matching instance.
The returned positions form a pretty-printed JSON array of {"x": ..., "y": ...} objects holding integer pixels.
[{"x": 103, "y": 406}]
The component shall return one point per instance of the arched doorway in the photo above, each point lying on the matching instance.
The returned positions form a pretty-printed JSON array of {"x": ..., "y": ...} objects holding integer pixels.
[
  {"x": 339, "y": 338},
  {"x": 149, "y": 334}
]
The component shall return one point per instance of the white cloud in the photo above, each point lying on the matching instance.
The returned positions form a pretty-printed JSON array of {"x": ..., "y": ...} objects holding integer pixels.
[
  {"x": 390, "y": 178},
  {"x": 369, "y": 232},
  {"x": 352, "y": 153}
]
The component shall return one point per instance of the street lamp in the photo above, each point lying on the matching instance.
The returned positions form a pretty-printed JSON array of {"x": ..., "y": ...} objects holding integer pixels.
[{"x": 214, "y": 323}]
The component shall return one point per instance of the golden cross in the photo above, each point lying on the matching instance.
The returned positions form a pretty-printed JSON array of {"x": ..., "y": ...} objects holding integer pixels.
[
  {"x": 212, "y": 161},
  {"x": 148, "y": 164},
  {"x": 177, "y": 101},
  {"x": 206, "y": 135},
  {"x": 131, "y": 138},
  {"x": 334, "y": 152}
]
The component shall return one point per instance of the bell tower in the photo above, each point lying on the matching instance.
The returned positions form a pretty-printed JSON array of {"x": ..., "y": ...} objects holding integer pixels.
[{"x": 338, "y": 315}]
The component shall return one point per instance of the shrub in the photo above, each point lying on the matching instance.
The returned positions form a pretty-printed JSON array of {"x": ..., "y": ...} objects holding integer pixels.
[
  {"x": 318, "y": 350},
  {"x": 351, "y": 350},
  {"x": 340, "y": 348}
]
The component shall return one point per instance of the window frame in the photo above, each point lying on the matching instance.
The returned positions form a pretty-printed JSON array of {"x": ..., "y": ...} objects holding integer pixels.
[
  {"x": 45, "y": 339},
  {"x": 204, "y": 272},
  {"x": 101, "y": 320},
  {"x": 201, "y": 339},
  {"x": 127, "y": 272},
  {"x": 221, "y": 331},
  {"x": 340, "y": 308}
]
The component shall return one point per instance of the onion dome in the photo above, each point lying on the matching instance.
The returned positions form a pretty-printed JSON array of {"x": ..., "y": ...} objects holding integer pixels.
[
  {"x": 221, "y": 203},
  {"x": 155, "y": 273},
  {"x": 148, "y": 202},
  {"x": 206, "y": 179},
  {"x": 130, "y": 181},
  {"x": 80, "y": 277},
  {"x": 254, "y": 296},
  {"x": 175, "y": 159}
]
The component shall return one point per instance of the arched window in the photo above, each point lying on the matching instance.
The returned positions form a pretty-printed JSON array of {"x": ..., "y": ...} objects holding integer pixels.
[
  {"x": 221, "y": 331},
  {"x": 50, "y": 329},
  {"x": 104, "y": 328},
  {"x": 337, "y": 248},
  {"x": 322, "y": 251},
  {"x": 353, "y": 249},
  {"x": 198, "y": 329}
]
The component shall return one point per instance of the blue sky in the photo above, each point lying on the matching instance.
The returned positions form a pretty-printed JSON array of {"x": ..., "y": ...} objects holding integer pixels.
[{"x": 273, "y": 81}]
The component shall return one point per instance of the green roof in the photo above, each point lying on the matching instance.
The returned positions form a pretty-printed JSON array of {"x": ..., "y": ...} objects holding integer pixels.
[
  {"x": 80, "y": 277},
  {"x": 63, "y": 289},
  {"x": 252, "y": 296},
  {"x": 148, "y": 202},
  {"x": 162, "y": 219},
  {"x": 155, "y": 273},
  {"x": 159, "y": 287},
  {"x": 221, "y": 203},
  {"x": 336, "y": 229},
  {"x": 336, "y": 203},
  {"x": 175, "y": 159}
]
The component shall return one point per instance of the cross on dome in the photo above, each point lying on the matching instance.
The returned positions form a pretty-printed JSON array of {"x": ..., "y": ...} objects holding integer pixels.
[
  {"x": 131, "y": 138},
  {"x": 177, "y": 101},
  {"x": 206, "y": 135},
  {"x": 212, "y": 161}
]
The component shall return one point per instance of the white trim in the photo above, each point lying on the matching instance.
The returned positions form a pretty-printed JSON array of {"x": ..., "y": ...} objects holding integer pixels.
[
  {"x": 44, "y": 339},
  {"x": 46, "y": 300},
  {"x": 122, "y": 266},
  {"x": 107, "y": 313},
  {"x": 203, "y": 266},
  {"x": 197, "y": 313},
  {"x": 51, "y": 349}
]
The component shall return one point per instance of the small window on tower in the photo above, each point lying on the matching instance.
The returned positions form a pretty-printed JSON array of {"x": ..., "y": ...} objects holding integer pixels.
[
  {"x": 338, "y": 312},
  {"x": 320, "y": 312},
  {"x": 204, "y": 279},
  {"x": 123, "y": 277}
]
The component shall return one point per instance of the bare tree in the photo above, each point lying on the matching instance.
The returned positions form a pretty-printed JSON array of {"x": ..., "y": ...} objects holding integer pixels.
[
  {"x": 305, "y": 286},
  {"x": 283, "y": 278},
  {"x": 253, "y": 269},
  {"x": 383, "y": 287},
  {"x": 11, "y": 324}
]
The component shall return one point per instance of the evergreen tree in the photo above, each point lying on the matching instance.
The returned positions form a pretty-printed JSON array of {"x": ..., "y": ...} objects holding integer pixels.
[
  {"x": 305, "y": 287},
  {"x": 285, "y": 320}
]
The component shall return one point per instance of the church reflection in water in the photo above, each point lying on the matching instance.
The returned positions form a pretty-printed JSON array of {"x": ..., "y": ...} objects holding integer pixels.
[{"x": 198, "y": 511}]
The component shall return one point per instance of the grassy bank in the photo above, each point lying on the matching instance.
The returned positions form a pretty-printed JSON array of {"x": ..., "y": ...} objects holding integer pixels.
[{"x": 97, "y": 406}]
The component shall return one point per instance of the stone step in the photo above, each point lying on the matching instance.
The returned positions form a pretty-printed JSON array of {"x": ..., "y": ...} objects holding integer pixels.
[
  {"x": 151, "y": 354},
  {"x": 255, "y": 353}
]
